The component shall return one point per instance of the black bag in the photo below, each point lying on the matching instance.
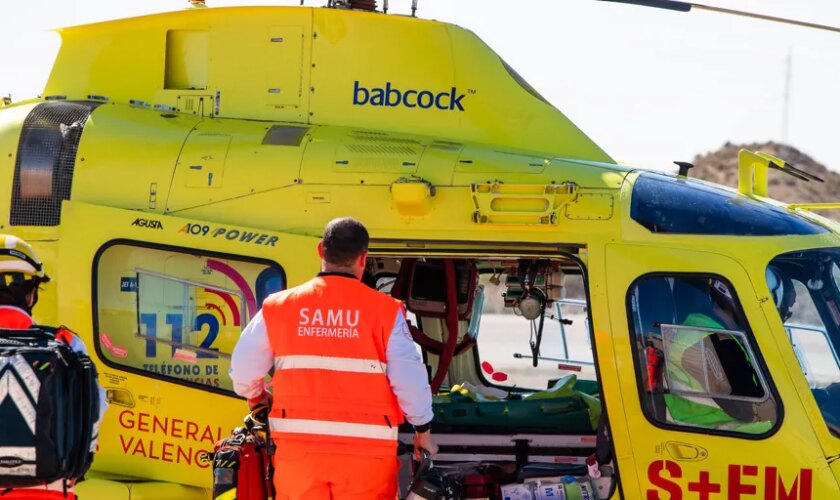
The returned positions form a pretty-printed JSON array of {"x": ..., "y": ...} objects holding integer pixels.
[{"x": 49, "y": 404}]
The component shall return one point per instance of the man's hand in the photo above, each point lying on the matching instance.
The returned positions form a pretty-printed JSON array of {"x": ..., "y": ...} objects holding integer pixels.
[
  {"x": 263, "y": 399},
  {"x": 424, "y": 440}
]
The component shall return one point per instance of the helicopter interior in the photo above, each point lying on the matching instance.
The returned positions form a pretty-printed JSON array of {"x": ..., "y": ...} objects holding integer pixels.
[{"x": 515, "y": 389}]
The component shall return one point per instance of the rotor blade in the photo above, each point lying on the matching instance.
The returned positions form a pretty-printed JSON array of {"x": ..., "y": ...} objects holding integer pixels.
[
  {"x": 657, "y": 4},
  {"x": 765, "y": 17},
  {"x": 687, "y": 6}
]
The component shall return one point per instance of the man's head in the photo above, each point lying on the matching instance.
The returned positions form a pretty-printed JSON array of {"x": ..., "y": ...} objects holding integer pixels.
[
  {"x": 344, "y": 246},
  {"x": 21, "y": 272}
]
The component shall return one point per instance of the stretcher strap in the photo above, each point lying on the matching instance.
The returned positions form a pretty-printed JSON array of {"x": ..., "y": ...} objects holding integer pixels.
[{"x": 445, "y": 358}]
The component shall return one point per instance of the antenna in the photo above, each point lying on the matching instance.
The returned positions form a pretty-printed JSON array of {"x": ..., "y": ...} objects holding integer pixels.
[
  {"x": 684, "y": 167},
  {"x": 413, "y": 8},
  {"x": 786, "y": 110}
]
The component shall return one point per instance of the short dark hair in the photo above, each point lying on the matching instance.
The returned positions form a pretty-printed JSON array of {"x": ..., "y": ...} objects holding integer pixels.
[
  {"x": 17, "y": 293},
  {"x": 345, "y": 239}
]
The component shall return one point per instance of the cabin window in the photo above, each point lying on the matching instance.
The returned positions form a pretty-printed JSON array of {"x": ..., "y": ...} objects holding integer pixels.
[
  {"x": 176, "y": 314},
  {"x": 805, "y": 289},
  {"x": 504, "y": 348},
  {"x": 696, "y": 363}
]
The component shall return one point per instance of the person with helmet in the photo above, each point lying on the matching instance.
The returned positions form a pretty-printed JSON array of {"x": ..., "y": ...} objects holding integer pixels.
[
  {"x": 701, "y": 361},
  {"x": 346, "y": 374},
  {"x": 21, "y": 275}
]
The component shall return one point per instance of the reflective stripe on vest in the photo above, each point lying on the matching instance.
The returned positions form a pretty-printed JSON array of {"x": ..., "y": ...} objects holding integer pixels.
[
  {"x": 332, "y": 363},
  {"x": 330, "y": 428}
]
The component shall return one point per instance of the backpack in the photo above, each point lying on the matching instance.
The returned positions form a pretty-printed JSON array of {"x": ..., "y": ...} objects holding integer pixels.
[
  {"x": 49, "y": 404},
  {"x": 242, "y": 466}
]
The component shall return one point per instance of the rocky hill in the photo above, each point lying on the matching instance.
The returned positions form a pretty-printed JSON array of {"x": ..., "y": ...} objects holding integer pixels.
[{"x": 721, "y": 166}]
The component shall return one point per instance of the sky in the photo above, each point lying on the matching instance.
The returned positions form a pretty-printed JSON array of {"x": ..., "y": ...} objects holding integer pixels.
[{"x": 649, "y": 86}]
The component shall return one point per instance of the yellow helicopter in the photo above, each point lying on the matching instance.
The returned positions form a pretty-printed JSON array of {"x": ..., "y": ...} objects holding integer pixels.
[{"x": 179, "y": 167}]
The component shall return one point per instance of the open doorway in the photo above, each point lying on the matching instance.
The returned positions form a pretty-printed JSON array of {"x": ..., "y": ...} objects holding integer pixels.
[{"x": 516, "y": 395}]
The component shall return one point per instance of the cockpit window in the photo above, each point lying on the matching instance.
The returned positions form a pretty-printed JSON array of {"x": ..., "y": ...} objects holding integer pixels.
[
  {"x": 664, "y": 204},
  {"x": 805, "y": 287},
  {"x": 697, "y": 365}
]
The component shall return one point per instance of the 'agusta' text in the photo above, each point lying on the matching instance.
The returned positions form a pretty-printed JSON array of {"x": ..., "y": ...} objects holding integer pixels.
[{"x": 334, "y": 323}]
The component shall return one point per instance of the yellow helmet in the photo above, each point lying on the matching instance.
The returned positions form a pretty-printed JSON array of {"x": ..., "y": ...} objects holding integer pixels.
[{"x": 18, "y": 258}]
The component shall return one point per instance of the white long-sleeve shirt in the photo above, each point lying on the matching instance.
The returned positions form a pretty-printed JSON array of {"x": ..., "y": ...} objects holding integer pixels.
[{"x": 253, "y": 358}]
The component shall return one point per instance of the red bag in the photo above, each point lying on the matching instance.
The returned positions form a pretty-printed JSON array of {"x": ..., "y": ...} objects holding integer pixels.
[{"x": 242, "y": 467}]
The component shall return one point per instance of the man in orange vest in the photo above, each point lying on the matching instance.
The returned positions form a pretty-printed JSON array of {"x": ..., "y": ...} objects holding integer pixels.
[
  {"x": 346, "y": 374},
  {"x": 21, "y": 275}
]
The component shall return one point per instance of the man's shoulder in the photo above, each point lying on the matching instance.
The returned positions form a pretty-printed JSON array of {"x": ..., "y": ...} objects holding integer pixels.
[
  {"x": 376, "y": 296},
  {"x": 359, "y": 290},
  {"x": 283, "y": 295}
]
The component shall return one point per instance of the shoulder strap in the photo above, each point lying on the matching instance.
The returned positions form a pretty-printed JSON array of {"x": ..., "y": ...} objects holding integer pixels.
[
  {"x": 61, "y": 333},
  {"x": 64, "y": 335}
]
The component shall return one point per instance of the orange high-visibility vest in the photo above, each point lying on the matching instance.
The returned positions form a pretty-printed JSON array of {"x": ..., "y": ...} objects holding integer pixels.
[{"x": 331, "y": 394}]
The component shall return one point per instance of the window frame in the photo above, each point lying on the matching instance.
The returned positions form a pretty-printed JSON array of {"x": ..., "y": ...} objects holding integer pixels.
[
  {"x": 765, "y": 374},
  {"x": 167, "y": 248},
  {"x": 385, "y": 247},
  {"x": 790, "y": 327}
]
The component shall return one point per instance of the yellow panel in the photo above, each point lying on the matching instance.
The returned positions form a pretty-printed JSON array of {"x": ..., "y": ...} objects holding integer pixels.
[
  {"x": 257, "y": 77},
  {"x": 489, "y": 161},
  {"x": 167, "y": 491},
  {"x": 249, "y": 167},
  {"x": 186, "y": 59},
  {"x": 649, "y": 442},
  {"x": 200, "y": 105},
  {"x": 591, "y": 206},
  {"x": 284, "y": 65},
  {"x": 323, "y": 66},
  {"x": 103, "y": 488},
  {"x": 353, "y": 57},
  {"x": 360, "y": 157},
  {"x": 203, "y": 159},
  {"x": 135, "y": 149}
]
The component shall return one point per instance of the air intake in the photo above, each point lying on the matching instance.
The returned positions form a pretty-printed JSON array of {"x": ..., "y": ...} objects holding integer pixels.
[{"x": 45, "y": 159}]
